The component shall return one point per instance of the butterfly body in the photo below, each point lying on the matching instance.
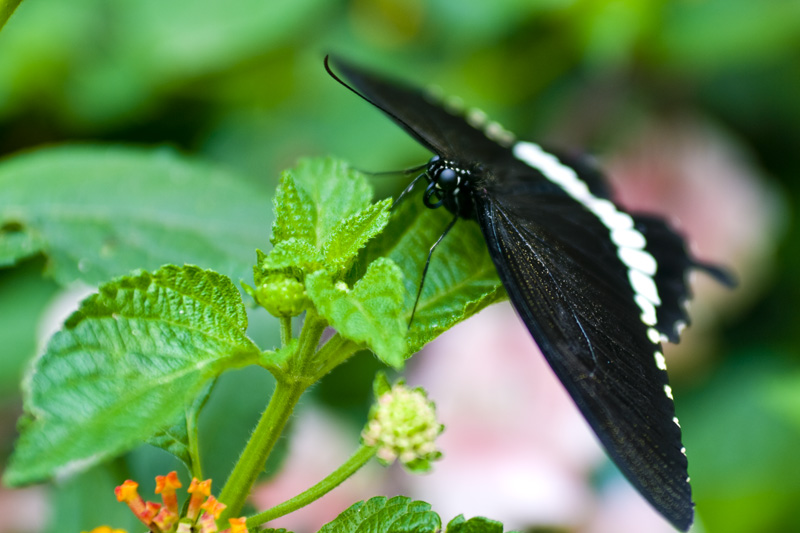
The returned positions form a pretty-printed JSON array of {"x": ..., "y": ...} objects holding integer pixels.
[{"x": 597, "y": 288}]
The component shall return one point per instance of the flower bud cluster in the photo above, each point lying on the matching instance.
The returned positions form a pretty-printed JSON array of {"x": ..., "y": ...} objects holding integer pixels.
[
  {"x": 403, "y": 426},
  {"x": 282, "y": 295}
]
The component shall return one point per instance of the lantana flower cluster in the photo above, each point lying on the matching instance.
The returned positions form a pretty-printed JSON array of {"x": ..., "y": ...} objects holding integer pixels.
[
  {"x": 403, "y": 426},
  {"x": 201, "y": 515}
]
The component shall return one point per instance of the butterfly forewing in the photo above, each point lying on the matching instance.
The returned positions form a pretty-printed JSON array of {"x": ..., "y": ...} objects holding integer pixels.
[{"x": 421, "y": 116}]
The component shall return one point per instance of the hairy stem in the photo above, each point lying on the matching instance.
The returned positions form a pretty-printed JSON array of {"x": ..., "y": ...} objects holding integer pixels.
[
  {"x": 350, "y": 467},
  {"x": 194, "y": 448},
  {"x": 286, "y": 330},
  {"x": 288, "y": 389},
  {"x": 255, "y": 454}
]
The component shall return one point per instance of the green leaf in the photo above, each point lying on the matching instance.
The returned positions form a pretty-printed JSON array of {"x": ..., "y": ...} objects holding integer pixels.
[
  {"x": 293, "y": 253},
  {"x": 151, "y": 49},
  {"x": 175, "y": 438},
  {"x": 7, "y": 7},
  {"x": 24, "y": 296},
  {"x": 381, "y": 385},
  {"x": 478, "y": 524},
  {"x": 124, "y": 367},
  {"x": 368, "y": 313},
  {"x": 294, "y": 213},
  {"x": 381, "y": 515},
  {"x": 461, "y": 279},
  {"x": 352, "y": 233},
  {"x": 314, "y": 198},
  {"x": 101, "y": 211},
  {"x": 323, "y": 217}
]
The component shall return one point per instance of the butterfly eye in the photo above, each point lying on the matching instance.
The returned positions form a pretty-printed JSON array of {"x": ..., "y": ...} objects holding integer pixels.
[{"x": 447, "y": 179}]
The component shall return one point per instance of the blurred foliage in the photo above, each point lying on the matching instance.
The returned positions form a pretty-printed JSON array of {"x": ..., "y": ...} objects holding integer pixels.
[{"x": 241, "y": 84}]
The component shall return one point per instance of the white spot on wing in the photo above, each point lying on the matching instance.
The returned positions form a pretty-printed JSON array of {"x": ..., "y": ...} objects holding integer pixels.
[
  {"x": 648, "y": 315},
  {"x": 628, "y": 237},
  {"x": 639, "y": 260},
  {"x": 668, "y": 392},
  {"x": 677, "y": 422},
  {"x": 644, "y": 285},
  {"x": 661, "y": 363},
  {"x": 653, "y": 335},
  {"x": 476, "y": 118},
  {"x": 453, "y": 104}
]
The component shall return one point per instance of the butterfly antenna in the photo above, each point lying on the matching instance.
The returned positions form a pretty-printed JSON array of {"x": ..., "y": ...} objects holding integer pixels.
[
  {"x": 404, "y": 172},
  {"x": 406, "y": 191},
  {"x": 427, "y": 264}
]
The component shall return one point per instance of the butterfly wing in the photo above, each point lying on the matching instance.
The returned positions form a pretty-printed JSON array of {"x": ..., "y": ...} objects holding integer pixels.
[
  {"x": 563, "y": 275},
  {"x": 421, "y": 115},
  {"x": 596, "y": 287}
]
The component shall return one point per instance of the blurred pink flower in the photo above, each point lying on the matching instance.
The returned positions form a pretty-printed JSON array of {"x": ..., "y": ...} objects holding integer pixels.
[{"x": 23, "y": 510}]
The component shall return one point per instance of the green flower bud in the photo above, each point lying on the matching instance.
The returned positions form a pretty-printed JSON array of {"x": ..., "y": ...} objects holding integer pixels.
[
  {"x": 403, "y": 426},
  {"x": 282, "y": 295}
]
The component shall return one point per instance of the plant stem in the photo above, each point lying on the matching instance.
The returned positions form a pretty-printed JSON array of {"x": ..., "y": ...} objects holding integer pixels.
[
  {"x": 194, "y": 448},
  {"x": 288, "y": 389},
  {"x": 254, "y": 456},
  {"x": 286, "y": 330},
  {"x": 350, "y": 467},
  {"x": 313, "y": 326},
  {"x": 335, "y": 352}
]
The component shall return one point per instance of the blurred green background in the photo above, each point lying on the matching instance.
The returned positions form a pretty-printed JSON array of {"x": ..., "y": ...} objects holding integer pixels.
[{"x": 241, "y": 84}]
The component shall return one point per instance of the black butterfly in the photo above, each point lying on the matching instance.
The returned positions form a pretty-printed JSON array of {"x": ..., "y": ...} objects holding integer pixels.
[{"x": 597, "y": 288}]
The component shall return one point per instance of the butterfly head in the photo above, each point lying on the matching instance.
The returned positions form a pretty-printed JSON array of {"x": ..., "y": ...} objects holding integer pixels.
[{"x": 448, "y": 185}]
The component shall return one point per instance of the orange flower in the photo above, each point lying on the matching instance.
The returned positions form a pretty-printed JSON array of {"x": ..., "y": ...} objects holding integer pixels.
[
  {"x": 200, "y": 490},
  {"x": 238, "y": 525}
]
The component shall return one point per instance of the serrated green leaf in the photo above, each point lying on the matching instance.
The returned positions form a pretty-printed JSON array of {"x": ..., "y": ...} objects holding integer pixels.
[
  {"x": 477, "y": 524},
  {"x": 368, "y": 313},
  {"x": 294, "y": 213},
  {"x": 323, "y": 216},
  {"x": 461, "y": 279},
  {"x": 336, "y": 191},
  {"x": 175, "y": 438},
  {"x": 381, "y": 515},
  {"x": 100, "y": 211},
  {"x": 319, "y": 194},
  {"x": 293, "y": 253},
  {"x": 124, "y": 366},
  {"x": 353, "y": 233}
]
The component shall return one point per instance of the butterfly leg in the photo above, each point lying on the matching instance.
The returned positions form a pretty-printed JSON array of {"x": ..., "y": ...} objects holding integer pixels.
[{"x": 427, "y": 264}]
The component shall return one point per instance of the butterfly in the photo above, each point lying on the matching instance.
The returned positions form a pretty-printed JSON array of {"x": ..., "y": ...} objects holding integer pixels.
[{"x": 597, "y": 287}]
